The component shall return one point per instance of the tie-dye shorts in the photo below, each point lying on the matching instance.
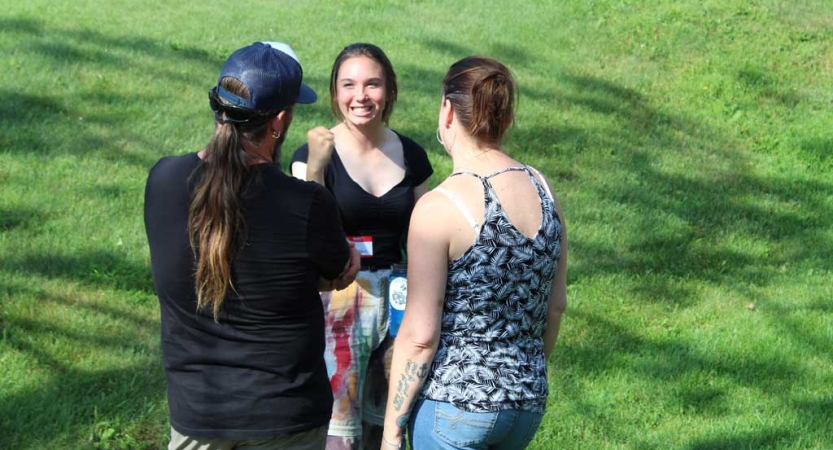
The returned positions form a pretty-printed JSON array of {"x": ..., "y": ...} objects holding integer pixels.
[{"x": 357, "y": 353}]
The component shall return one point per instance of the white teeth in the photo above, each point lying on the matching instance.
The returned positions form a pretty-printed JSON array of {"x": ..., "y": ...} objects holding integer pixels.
[{"x": 361, "y": 110}]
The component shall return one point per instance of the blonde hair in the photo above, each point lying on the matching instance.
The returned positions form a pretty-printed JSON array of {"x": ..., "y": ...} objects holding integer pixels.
[{"x": 216, "y": 226}]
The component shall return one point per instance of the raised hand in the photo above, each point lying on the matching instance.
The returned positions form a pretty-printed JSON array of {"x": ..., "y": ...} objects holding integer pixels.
[{"x": 320, "y": 141}]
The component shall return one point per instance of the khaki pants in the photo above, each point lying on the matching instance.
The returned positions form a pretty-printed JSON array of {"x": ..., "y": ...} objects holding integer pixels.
[{"x": 314, "y": 439}]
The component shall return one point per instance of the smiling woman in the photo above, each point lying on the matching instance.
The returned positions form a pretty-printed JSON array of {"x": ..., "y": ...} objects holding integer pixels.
[
  {"x": 361, "y": 91},
  {"x": 376, "y": 175},
  {"x": 690, "y": 142}
]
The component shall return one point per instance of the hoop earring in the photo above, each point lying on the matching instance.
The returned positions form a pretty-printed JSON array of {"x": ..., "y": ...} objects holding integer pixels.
[
  {"x": 276, "y": 136},
  {"x": 440, "y": 139}
]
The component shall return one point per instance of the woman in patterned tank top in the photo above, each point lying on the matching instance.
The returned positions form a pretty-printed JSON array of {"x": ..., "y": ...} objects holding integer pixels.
[{"x": 487, "y": 283}]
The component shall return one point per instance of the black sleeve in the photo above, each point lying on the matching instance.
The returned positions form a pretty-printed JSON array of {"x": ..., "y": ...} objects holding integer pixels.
[
  {"x": 326, "y": 240},
  {"x": 417, "y": 160},
  {"x": 167, "y": 200},
  {"x": 166, "y": 189},
  {"x": 301, "y": 154}
]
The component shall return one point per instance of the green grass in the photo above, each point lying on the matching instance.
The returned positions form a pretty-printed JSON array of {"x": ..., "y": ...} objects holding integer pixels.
[{"x": 690, "y": 143}]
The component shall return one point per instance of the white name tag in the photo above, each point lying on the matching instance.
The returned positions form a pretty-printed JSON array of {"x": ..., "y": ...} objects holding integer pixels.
[{"x": 364, "y": 244}]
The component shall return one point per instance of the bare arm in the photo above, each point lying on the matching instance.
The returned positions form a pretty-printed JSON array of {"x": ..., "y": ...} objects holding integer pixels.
[
  {"x": 558, "y": 292},
  {"x": 419, "y": 334},
  {"x": 320, "y": 141}
]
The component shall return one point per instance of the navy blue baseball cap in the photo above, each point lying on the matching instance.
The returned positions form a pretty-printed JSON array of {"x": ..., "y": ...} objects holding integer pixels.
[{"x": 271, "y": 72}]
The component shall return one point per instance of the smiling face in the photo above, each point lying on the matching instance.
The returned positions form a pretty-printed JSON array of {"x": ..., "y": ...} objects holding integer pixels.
[{"x": 360, "y": 91}]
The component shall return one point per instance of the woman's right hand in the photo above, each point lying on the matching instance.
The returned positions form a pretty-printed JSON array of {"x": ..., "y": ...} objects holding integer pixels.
[
  {"x": 350, "y": 270},
  {"x": 320, "y": 141}
]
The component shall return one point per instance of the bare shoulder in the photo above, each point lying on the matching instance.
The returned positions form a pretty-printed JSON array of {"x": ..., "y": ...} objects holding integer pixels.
[
  {"x": 439, "y": 208},
  {"x": 432, "y": 202},
  {"x": 434, "y": 209}
]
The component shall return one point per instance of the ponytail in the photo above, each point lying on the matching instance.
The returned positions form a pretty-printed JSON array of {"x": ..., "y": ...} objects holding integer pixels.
[
  {"x": 492, "y": 108},
  {"x": 482, "y": 92},
  {"x": 216, "y": 225}
]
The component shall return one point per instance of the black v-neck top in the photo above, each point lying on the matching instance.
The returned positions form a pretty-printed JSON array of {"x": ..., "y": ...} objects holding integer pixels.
[{"x": 384, "y": 218}]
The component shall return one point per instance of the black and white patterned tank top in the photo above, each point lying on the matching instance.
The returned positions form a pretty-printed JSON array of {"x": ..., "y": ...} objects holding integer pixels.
[{"x": 491, "y": 351}]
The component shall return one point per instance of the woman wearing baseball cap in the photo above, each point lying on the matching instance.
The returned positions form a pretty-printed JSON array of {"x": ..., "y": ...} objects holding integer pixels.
[{"x": 239, "y": 251}]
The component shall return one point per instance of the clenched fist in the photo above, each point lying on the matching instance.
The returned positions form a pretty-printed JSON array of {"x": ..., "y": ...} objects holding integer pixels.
[{"x": 320, "y": 142}]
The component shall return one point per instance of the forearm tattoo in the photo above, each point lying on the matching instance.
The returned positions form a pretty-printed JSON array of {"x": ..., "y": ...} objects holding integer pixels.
[{"x": 413, "y": 373}]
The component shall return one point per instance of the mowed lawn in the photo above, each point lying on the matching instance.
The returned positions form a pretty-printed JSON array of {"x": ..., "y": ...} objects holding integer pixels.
[{"x": 690, "y": 144}]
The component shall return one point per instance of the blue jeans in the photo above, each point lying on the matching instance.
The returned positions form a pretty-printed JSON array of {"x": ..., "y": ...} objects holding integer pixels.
[{"x": 440, "y": 425}]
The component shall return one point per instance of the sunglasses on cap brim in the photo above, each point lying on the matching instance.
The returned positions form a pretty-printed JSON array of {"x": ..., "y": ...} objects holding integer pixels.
[{"x": 228, "y": 113}]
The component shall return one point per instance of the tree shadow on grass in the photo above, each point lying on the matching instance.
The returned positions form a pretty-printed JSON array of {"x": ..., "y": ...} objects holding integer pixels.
[
  {"x": 511, "y": 55},
  {"x": 681, "y": 381},
  {"x": 19, "y": 218},
  {"x": 666, "y": 360},
  {"x": 451, "y": 50},
  {"x": 102, "y": 399},
  {"x": 84, "y": 400},
  {"x": 703, "y": 212},
  {"x": 727, "y": 198},
  {"x": 95, "y": 118},
  {"x": 772, "y": 439},
  {"x": 719, "y": 197},
  {"x": 95, "y": 47},
  {"x": 731, "y": 199},
  {"x": 793, "y": 321},
  {"x": 818, "y": 152},
  {"x": 99, "y": 268}
]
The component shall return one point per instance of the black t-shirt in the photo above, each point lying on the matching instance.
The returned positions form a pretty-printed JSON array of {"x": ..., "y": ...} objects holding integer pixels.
[
  {"x": 383, "y": 218},
  {"x": 260, "y": 372}
]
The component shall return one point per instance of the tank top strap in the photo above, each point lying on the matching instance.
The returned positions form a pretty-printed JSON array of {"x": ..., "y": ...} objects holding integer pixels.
[
  {"x": 504, "y": 170},
  {"x": 539, "y": 180},
  {"x": 459, "y": 204},
  {"x": 488, "y": 192},
  {"x": 487, "y": 185},
  {"x": 463, "y": 172}
]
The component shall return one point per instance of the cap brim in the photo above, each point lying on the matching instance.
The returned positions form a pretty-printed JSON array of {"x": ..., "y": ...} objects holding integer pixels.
[{"x": 306, "y": 95}]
